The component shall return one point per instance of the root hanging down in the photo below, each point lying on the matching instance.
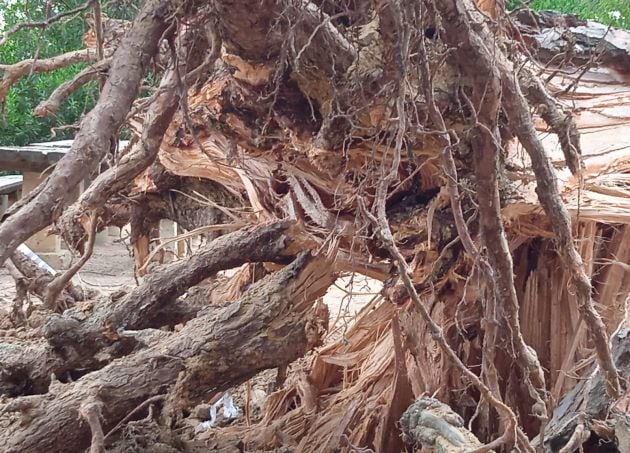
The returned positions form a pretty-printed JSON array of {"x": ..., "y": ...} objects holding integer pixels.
[
  {"x": 511, "y": 434},
  {"x": 419, "y": 170}
]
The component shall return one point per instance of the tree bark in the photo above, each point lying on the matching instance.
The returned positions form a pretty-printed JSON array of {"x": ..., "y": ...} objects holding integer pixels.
[
  {"x": 267, "y": 327},
  {"x": 74, "y": 338}
]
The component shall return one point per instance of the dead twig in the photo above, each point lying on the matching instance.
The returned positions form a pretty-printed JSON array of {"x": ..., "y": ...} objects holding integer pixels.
[{"x": 55, "y": 287}]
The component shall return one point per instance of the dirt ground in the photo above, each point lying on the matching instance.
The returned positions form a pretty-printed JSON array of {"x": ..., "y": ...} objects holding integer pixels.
[{"x": 109, "y": 267}]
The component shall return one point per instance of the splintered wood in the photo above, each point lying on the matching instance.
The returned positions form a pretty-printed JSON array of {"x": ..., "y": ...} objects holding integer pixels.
[
  {"x": 357, "y": 388},
  {"x": 297, "y": 156}
]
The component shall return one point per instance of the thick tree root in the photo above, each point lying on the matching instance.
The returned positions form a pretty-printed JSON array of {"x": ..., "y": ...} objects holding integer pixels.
[
  {"x": 75, "y": 338},
  {"x": 268, "y": 327}
]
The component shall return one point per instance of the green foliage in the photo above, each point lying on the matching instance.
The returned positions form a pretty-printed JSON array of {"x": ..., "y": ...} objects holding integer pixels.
[
  {"x": 609, "y": 12},
  {"x": 18, "y": 126}
]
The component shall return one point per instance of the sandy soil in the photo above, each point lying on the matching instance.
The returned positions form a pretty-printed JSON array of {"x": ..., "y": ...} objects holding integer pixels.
[{"x": 110, "y": 267}]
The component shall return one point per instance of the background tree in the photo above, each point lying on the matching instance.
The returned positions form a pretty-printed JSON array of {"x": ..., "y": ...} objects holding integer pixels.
[{"x": 18, "y": 125}]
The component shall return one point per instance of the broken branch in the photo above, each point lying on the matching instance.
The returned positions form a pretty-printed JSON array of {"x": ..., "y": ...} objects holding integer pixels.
[
  {"x": 61, "y": 93},
  {"x": 14, "y": 72},
  {"x": 266, "y": 328}
]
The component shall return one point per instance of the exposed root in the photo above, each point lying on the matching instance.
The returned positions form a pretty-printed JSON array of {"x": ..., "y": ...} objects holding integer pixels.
[
  {"x": 498, "y": 270},
  {"x": 55, "y": 287},
  {"x": 562, "y": 124},
  {"x": 265, "y": 329},
  {"x": 509, "y": 418},
  {"x": 383, "y": 137},
  {"x": 18, "y": 316},
  {"x": 131, "y": 414},
  {"x": 91, "y": 412},
  {"x": 38, "y": 279},
  {"x": 547, "y": 190}
]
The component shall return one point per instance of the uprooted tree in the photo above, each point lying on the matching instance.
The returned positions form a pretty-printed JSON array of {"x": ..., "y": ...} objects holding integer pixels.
[{"x": 397, "y": 139}]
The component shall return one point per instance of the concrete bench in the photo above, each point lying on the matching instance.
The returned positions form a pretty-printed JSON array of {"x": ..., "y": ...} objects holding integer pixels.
[
  {"x": 34, "y": 162},
  {"x": 10, "y": 191}
]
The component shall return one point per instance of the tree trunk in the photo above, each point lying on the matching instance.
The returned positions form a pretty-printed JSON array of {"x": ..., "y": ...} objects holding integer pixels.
[
  {"x": 74, "y": 339},
  {"x": 268, "y": 327}
]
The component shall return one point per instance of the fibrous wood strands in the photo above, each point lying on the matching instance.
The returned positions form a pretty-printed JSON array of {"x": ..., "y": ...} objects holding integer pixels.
[{"x": 469, "y": 159}]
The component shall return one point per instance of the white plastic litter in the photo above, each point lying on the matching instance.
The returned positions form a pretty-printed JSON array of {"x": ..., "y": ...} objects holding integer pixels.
[
  {"x": 36, "y": 259},
  {"x": 230, "y": 410}
]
